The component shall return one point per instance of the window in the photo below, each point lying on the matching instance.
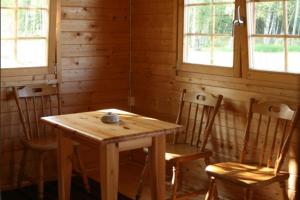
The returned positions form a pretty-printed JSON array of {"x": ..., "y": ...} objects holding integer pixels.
[
  {"x": 207, "y": 32},
  {"x": 267, "y": 39},
  {"x": 274, "y": 35},
  {"x": 27, "y": 33}
]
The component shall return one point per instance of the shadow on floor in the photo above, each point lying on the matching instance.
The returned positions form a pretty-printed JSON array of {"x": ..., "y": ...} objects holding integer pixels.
[{"x": 77, "y": 193}]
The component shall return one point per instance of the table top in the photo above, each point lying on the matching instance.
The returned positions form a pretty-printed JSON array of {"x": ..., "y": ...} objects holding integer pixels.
[{"x": 130, "y": 126}]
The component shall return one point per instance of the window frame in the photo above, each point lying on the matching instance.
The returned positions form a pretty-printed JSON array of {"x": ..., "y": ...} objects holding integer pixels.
[
  {"x": 261, "y": 75},
  {"x": 241, "y": 67},
  {"x": 202, "y": 68},
  {"x": 52, "y": 54}
]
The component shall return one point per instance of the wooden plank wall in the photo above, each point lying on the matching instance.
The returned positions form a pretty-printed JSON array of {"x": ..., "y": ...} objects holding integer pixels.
[
  {"x": 156, "y": 87},
  {"x": 94, "y": 73}
]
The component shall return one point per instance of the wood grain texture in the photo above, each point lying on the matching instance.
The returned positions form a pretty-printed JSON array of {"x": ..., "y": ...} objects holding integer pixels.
[
  {"x": 88, "y": 127},
  {"x": 157, "y": 84},
  {"x": 131, "y": 126},
  {"x": 93, "y": 69}
]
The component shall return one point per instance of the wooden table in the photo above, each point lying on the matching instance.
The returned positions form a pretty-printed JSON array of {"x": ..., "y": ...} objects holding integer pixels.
[{"x": 134, "y": 131}]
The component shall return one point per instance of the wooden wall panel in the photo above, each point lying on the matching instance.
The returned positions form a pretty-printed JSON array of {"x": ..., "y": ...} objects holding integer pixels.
[
  {"x": 94, "y": 73},
  {"x": 156, "y": 87}
]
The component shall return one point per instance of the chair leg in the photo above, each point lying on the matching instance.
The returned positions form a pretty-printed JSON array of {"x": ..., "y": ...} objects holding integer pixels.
[
  {"x": 175, "y": 177},
  {"x": 180, "y": 176},
  {"x": 248, "y": 193},
  {"x": 82, "y": 169},
  {"x": 142, "y": 178},
  {"x": 41, "y": 176},
  {"x": 283, "y": 189},
  {"x": 212, "y": 189},
  {"x": 207, "y": 161},
  {"x": 22, "y": 167}
]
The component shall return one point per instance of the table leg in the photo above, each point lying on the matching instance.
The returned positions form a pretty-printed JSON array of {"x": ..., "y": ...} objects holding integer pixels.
[
  {"x": 109, "y": 171},
  {"x": 157, "y": 171},
  {"x": 64, "y": 154}
]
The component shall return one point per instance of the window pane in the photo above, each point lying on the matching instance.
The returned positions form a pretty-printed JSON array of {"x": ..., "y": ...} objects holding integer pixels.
[
  {"x": 223, "y": 51},
  {"x": 7, "y": 23},
  {"x": 227, "y": 1},
  {"x": 196, "y": 1},
  {"x": 207, "y": 33},
  {"x": 294, "y": 55},
  {"x": 224, "y": 17},
  {"x": 32, "y": 53},
  {"x": 8, "y": 3},
  {"x": 7, "y": 53},
  {"x": 34, "y": 3},
  {"x": 268, "y": 18},
  {"x": 197, "y": 50},
  {"x": 32, "y": 23},
  {"x": 294, "y": 17},
  {"x": 198, "y": 19},
  {"x": 268, "y": 54}
]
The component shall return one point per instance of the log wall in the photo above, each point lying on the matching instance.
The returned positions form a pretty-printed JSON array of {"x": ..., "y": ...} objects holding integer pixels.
[
  {"x": 93, "y": 72},
  {"x": 156, "y": 86}
]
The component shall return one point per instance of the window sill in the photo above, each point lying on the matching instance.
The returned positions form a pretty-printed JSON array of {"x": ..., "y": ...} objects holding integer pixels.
[{"x": 207, "y": 69}]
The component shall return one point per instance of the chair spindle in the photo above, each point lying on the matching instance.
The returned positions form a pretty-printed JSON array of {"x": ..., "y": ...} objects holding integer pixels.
[
  {"x": 50, "y": 105},
  {"x": 187, "y": 123},
  {"x": 36, "y": 117},
  {"x": 262, "y": 155},
  {"x": 273, "y": 143},
  {"x": 282, "y": 137},
  {"x": 255, "y": 146},
  {"x": 28, "y": 117},
  {"x": 44, "y": 114},
  {"x": 201, "y": 125},
  {"x": 194, "y": 125}
]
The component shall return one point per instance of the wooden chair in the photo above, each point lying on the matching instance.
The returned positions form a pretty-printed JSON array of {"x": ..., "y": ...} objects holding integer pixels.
[
  {"x": 35, "y": 101},
  {"x": 268, "y": 132},
  {"x": 197, "y": 111}
]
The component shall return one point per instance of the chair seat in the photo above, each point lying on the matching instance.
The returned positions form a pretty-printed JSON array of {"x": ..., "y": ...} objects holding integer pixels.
[
  {"x": 183, "y": 152},
  {"x": 244, "y": 174},
  {"x": 43, "y": 143}
]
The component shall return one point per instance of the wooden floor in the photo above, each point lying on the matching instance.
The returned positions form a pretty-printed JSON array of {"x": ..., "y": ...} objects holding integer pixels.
[{"x": 77, "y": 193}]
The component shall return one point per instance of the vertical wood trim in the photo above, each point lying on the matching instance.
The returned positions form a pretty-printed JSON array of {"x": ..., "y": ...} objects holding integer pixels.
[
  {"x": 57, "y": 41},
  {"x": 285, "y": 29},
  {"x": 180, "y": 30},
  {"x": 52, "y": 54},
  {"x": 109, "y": 170},
  {"x": 244, "y": 58},
  {"x": 236, "y": 46}
]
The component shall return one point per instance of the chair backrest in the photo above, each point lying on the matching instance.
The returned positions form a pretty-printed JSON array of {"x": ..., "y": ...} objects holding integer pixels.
[
  {"x": 35, "y": 101},
  {"x": 197, "y": 111},
  {"x": 268, "y": 132}
]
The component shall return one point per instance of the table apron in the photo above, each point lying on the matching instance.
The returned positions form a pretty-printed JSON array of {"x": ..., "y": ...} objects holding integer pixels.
[{"x": 135, "y": 144}]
